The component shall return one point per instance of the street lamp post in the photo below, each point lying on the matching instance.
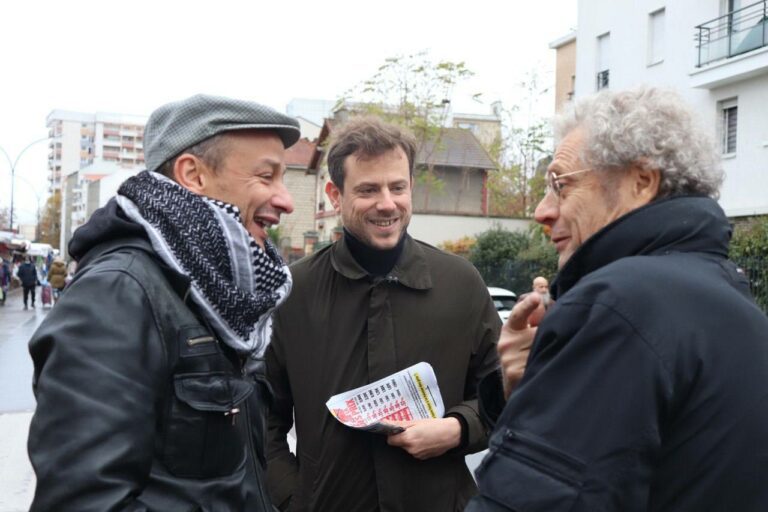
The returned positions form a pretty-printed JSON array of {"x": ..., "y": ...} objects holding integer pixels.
[
  {"x": 13, "y": 173},
  {"x": 38, "y": 198}
]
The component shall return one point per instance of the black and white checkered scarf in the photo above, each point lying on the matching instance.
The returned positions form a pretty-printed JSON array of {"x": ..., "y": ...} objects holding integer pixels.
[{"x": 235, "y": 283}]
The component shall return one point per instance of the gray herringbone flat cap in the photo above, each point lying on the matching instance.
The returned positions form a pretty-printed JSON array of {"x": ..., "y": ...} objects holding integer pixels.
[{"x": 177, "y": 126}]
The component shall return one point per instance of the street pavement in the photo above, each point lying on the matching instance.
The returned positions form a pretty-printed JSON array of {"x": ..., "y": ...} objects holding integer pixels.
[
  {"x": 17, "y": 480},
  {"x": 17, "y": 403}
]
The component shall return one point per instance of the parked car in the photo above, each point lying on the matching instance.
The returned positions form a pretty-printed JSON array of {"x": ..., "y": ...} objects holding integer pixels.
[{"x": 504, "y": 300}]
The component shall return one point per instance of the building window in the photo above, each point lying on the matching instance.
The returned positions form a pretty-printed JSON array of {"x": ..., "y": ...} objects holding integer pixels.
[
  {"x": 603, "y": 49},
  {"x": 656, "y": 37},
  {"x": 603, "y": 78},
  {"x": 729, "y": 113}
]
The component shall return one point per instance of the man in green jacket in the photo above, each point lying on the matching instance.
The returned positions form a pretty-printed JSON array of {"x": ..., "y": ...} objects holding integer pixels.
[{"x": 374, "y": 303}]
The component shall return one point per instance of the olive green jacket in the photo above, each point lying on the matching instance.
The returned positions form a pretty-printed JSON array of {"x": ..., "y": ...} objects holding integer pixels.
[{"x": 342, "y": 328}]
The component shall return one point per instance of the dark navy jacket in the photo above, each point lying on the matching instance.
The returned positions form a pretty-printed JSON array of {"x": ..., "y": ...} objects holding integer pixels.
[
  {"x": 27, "y": 274},
  {"x": 647, "y": 386}
]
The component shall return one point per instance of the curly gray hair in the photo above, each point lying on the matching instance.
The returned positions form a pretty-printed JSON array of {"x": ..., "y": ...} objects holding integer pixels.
[{"x": 650, "y": 127}]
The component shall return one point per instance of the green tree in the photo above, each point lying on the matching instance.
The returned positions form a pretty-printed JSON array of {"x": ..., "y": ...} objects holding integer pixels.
[
  {"x": 750, "y": 238},
  {"x": 274, "y": 234},
  {"x": 497, "y": 245},
  {"x": 413, "y": 91},
  {"x": 522, "y": 155},
  {"x": 540, "y": 256},
  {"x": 49, "y": 228},
  {"x": 460, "y": 247},
  {"x": 511, "y": 259},
  {"x": 749, "y": 250}
]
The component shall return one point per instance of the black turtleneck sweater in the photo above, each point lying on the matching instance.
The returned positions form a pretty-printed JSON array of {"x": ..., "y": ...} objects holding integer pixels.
[{"x": 377, "y": 262}]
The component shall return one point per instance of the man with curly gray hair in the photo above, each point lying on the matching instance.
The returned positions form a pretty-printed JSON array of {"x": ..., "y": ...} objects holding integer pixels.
[{"x": 645, "y": 386}]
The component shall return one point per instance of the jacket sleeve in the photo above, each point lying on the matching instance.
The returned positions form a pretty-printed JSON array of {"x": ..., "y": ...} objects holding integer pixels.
[
  {"x": 484, "y": 360},
  {"x": 97, "y": 360},
  {"x": 282, "y": 467},
  {"x": 582, "y": 430}
]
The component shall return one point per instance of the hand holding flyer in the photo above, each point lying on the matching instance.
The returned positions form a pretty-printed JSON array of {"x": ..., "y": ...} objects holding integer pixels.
[{"x": 409, "y": 394}]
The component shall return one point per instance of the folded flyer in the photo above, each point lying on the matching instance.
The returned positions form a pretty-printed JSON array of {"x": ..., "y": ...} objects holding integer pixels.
[{"x": 409, "y": 394}]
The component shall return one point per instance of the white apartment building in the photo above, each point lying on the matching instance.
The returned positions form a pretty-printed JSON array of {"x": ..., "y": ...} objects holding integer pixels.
[
  {"x": 715, "y": 52},
  {"x": 85, "y": 190},
  {"x": 79, "y": 138},
  {"x": 78, "y": 141}
]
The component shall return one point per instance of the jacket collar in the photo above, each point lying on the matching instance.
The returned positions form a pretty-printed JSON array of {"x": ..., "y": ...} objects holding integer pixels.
[
  {"x": 411, "y": 269},
  {"x": 677, "y": 224}
]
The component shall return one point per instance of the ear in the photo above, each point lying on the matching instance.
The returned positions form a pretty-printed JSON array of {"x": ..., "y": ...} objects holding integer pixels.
[
  {"x": 646, "y": 183},
  {"x": 190, "y": 172},
  {"x": 334, "y": 194}
]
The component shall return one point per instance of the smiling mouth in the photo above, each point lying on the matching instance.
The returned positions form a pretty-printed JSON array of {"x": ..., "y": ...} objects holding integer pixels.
[
  {"x": 383, "y": 223},
  {"x": 265, "y": 223}
]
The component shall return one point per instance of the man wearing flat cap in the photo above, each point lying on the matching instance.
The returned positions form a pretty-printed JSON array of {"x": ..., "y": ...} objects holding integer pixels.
[{"x": 149, "y": 372}]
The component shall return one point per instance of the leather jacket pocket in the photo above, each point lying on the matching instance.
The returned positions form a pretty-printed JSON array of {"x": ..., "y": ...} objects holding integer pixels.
[
  {"x": 525, "y": 474},
  {"x": 202, "y": 438}
]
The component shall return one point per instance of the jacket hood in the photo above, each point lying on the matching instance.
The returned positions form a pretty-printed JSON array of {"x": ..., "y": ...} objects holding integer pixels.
[
  {"x": 677, "y": 224},
  {"x": 106, "y": 224}
]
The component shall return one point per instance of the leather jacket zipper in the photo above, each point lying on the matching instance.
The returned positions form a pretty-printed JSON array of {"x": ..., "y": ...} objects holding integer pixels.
[{"x": 200, "y": 339}]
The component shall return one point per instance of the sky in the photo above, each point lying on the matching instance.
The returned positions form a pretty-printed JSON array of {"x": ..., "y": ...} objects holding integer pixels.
[{"x": 132, "y": 56}]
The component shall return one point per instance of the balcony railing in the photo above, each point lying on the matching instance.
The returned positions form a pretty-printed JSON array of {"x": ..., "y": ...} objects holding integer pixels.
[{"x": 737, "y": 32}]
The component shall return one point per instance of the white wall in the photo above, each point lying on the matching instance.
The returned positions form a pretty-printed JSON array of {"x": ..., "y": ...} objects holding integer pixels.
[
  {"x": 70, "y": 147},
  {"x": 436, "y": 229},
  {"x": 745, "y": 189},
  {"x": 109, "y": 184}
]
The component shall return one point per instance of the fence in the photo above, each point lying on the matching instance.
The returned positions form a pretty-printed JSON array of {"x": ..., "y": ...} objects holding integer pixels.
[
  {"x": 517, "y": 276},
  {"x": 734, "y": 33},
  {"x": 756, "y": 270}
]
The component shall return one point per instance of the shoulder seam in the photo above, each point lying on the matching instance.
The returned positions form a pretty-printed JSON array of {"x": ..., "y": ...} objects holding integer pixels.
[{"x": 631, "y": 325}]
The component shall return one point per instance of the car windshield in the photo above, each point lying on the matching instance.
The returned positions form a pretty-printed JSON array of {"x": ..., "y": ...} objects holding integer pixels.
[{"x": 503, "y": 303}]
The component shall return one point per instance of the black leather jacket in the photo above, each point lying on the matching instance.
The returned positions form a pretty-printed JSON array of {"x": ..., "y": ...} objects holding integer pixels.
[{"x": 139, "y": 407}]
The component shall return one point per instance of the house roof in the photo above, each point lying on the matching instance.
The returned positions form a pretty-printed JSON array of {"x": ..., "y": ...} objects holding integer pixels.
[
  {"x": 93, "y": 176},
  {"x": 456, "y": 147},
  {"x": 300, "y": 154},
  {"x": 325, "y": 132},
  {"x": 564, "y": 40}
]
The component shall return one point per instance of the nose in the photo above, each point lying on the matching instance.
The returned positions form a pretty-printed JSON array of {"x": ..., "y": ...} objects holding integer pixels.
[
  {"x": 547, "y": 210},
  {"x": 385, "y": 202},
  {"x": 282, "y": 200}
]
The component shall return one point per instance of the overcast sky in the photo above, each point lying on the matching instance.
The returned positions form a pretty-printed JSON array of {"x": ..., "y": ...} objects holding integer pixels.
[{"x": 134, "y": 55}]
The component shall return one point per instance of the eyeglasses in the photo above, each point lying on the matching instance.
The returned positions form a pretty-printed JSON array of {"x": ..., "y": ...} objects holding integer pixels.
[{"x": 553, "y": 180}]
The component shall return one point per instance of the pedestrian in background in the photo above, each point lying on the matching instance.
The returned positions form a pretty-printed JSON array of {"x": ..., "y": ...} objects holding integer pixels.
[
  {"x": 27, "y": 274},
  {"x": 375, "y": 302},
  {"x": 645, "y": 389},
  {"x": 57, "y": 277},
  {"x": 149, "y": 373},
  {"x": 5, "y": 280}
]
